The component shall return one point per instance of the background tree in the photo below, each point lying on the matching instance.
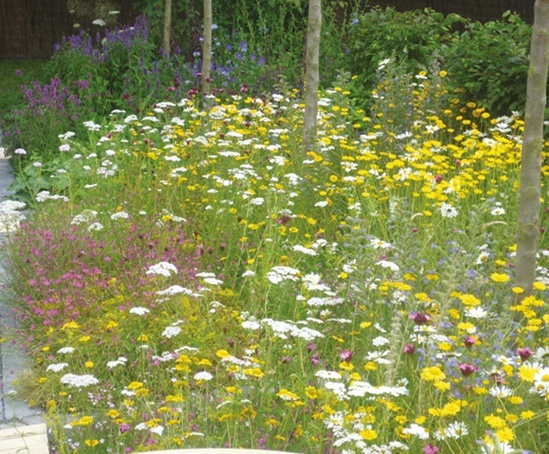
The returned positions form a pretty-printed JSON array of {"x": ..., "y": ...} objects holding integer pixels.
[
  {"x": 314, "y": 24},
  {"x": 530, "y": 182},
  {"x": 167, "y": 27},
  {"x": 207, "y": 47}
]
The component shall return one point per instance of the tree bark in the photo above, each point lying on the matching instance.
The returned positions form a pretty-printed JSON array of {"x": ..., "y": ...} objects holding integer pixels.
[
  {"x": 314, "y": 25},
  {"x": 207, "y": 47},
  {"x": 530, "y": 182},
  {"x": 167, "y": 42}
]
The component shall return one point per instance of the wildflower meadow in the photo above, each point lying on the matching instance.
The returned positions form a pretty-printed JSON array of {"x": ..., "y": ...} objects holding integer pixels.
[{"x": 194, "y": 278}]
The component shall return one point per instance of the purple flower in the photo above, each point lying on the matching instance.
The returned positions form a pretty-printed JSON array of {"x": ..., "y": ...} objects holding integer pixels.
[
  {"x": 524, "y": 353},
  {"x": 420, "y": 318},
  {"x": 469, "y": 341},
  {"x": 409, "y": 349},
  {"x": 467, "y": 369},
  {"x": 124, "y": 428}
]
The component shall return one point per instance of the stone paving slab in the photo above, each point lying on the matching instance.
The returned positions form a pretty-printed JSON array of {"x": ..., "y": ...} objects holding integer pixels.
[
  {"x": 22, "y": 428},
  {"x": 24, "y": 440}
]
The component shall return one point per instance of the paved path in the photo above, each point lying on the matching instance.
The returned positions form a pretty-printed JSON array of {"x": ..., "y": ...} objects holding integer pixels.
[{"x": 22, "y": 429}]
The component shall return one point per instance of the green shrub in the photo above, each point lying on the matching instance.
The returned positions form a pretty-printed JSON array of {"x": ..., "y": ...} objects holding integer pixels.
[
  {"x": 412, "y": 39},
  {"x": 490, "y": 61}
]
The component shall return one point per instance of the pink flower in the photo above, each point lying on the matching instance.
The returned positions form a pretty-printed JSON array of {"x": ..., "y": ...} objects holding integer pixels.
[{"x": 420, "y": 318}]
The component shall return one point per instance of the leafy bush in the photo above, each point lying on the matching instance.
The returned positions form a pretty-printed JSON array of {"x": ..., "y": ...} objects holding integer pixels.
[
  {"x": 412, "y": 39},
  {"x": 490, "y": 61}
]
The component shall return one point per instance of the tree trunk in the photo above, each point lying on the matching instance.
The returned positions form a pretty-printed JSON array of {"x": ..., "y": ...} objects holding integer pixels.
[
  {"x": 530, "y": 182},
  {"x": 314, "y": 24},
  {"x": 207, "y": 47},
  {"x": 167, "y": 42}
]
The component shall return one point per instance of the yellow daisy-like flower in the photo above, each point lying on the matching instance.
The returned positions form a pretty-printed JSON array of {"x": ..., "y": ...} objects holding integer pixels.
[
  {"x": 368, "y": 434},
  {"x": 433, "y": 374},
  {"x": 499, "y": 277},
  {"x": 527, "y": 373}
]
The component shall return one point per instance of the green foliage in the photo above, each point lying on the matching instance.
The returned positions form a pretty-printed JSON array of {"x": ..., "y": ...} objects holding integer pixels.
[
  {"x": 411, "y": 38},
  {"x": 490, "y": 61}
]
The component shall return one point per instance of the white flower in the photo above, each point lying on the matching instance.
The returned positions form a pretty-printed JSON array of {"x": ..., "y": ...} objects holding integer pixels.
[
  {"x": 328, "y": 375},
  {"x": 541, "y": 382},
  {"x": 387, "y": 264},
  {"x": 159, "y": 430},
  {"x": 139, "y": 310},
  {"x": 65, "y": 350},
  {"x": 380, "y": 340},
  {"x": 120, "y": 215},
  {"x": 206, "y": 376},
  {"x": 213, "y": 281},
  {"x": 248, "y": 273},
  {"x": 448, "y": 211},
  {"x": 95, "y": 226},
  {"x": 171, "y": 331},
  {"x": 476, "y": 312},
  {"x": 121, "y": 361},
  {"x": 99, "y": 22},
  {"x": 416, "y": 430},
  {"x": 257, "y": 201},
  {"x": 321, "y": 204},
  {"x": 79, "y": 381},
  {"x": 304, "y": 250},
  {"x": 251, "y": 324},
  {"x": 456, "y": 430},
  {"x": 65, "y": 147},
  {"x": 277, "y": 274},
  {"x": 20, "y": 151},
  {"x": 500, "y": 391},
  {"x": 175, "y": 290},
  {"x": 162, "y": 268},
  {"x": 56, "y": 367},
  {"x": 497, "y": 211}
]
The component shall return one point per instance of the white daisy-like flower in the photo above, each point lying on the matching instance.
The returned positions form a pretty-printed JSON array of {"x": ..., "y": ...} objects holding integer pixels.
[
  {"x": 448, "y": 211},
  {"x": 476, "y": 312}
]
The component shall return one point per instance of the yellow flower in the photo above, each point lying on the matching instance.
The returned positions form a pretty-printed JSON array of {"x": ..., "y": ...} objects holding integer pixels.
[
  {"x": 368, "y": 434},
  {"x": 527, "y": 373},
  {"x": 469, "y": 300},
  {"x": 89, "y": 364},
  {"x": 540, "y": 286},
  {"x": 495, "y": 422},
  {"x": 527, "y": 415},
  {"x": 505, "y": 434},
  {"x": 433, "y": 374},
  {"x": 499, "y": 277}
]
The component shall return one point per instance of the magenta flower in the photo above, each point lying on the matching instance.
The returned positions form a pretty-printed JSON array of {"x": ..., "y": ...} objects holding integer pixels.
[
  {"x": 420, "y": 318},
  {"x": 469, "y": 341},
  {"x": 524, "y": 353},
  {"x": 467, "y": 369},
  {"x": 409, "y": 349},
  {"x": 346, "y": 355},
  {"x": 431, "y": 449}
]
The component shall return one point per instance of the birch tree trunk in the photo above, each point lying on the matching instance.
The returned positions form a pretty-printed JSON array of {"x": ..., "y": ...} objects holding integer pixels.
[
  {"x": 530, "y": 182},
  {"x": 314, "y": 24},
  {"x": 207, "y": 47},
  {"x": 166, "y": 43}
]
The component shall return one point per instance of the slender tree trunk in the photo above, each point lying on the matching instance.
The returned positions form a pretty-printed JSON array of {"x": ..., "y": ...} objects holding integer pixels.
[
  {"x": 167, "y": 28},
  {"x": 530, "y": 182},
  {"x": 314, "y": 24},
  {"x": 207, "y": 47}
]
